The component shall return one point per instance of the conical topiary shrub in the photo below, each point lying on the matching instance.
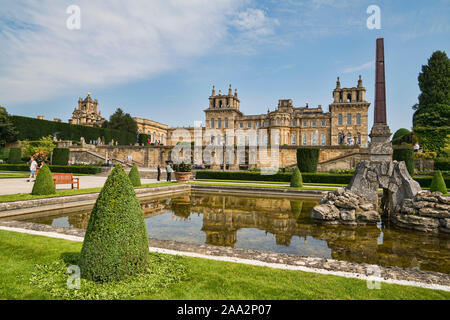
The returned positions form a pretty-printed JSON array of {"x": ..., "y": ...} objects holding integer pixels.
[
  {"x": 134, "y": 176},
  {"x": 116, "y": 241},
  {"x": 44, "y": 184},
  {"x": 296, "y": 179},
  {"x": 438, "y": 183}
]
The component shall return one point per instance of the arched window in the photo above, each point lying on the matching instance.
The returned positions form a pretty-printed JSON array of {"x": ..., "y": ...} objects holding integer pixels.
[
  {"x": 278, "y": 121},
  {"x": 305, "y": 139},
  {"x": 340, "y": 120},
  {"x": 294, "y": 139},
  {"x": 358, "y": 119}
]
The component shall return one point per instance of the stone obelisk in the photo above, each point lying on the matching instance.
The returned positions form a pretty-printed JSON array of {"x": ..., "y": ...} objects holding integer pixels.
[{"x": 380, "y": 148}]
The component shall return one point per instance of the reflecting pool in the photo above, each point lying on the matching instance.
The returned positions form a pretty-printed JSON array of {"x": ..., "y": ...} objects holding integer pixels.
[{"x": 277, "y": 225}]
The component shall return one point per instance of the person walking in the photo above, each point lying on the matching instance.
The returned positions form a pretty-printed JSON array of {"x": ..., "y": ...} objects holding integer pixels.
[
  {"x": 33, "y": 167},
  {"x": 169, "y": 172},
  {"x": 159, "y": 172}
]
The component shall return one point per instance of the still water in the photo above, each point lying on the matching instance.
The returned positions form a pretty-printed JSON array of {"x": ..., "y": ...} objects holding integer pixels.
[{"x": 276, "y": 225}]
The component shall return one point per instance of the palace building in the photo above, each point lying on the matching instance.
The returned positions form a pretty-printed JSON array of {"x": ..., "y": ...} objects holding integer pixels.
[
  {"x": 346, "y": 122},
  {"x": 87, "y": 113}
]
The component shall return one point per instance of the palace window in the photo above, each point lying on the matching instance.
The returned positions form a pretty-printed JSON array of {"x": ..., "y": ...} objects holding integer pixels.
[
  {"x": 313, "y": 124},
  {"x": 212, "y": 123},
  {"x": 349, "y": 139},
  {"x": 241, "y": 125},
  {"x": 340, "y": 120},
  {"x": 277, "y": 138},
  {"x": 266, "y": 123},
  {"x": 226, "y": 123},
  {"x": 257, "y": 125},
  {"x": 278, "y": 121},
  {"x": 294, "y": 123},
  {"x": 324, "y": 123},
  {"x": 349, "y": 119},
  {"x": 358, "y": 119},
  {"x": 219, "y": 123},
  {"x": 314, "y": 139},
  {"x": 305, "y": 139},
  {"x": 341, "y": 138},
  {"x": 294, "y": 139},
  {"x": 249, "y": 125},
  {"x": 323, "y": 139},
  {"x": 305, "y": 123},
  {"x": 359, "y": 139}
]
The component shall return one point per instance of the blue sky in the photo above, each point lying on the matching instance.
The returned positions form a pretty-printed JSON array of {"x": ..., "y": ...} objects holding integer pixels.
[{"x": 159, "y": 59}]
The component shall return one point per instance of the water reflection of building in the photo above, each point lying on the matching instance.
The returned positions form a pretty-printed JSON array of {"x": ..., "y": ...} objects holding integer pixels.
[{"x": 224, "y": 216}]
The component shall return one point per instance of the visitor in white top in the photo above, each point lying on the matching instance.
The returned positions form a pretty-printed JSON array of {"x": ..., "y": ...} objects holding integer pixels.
[
  {"x": 33, "y": 167},
  {"x": 416, "y": 147}
]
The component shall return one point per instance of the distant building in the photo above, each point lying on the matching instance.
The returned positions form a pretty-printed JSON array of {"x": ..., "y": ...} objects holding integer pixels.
[
  {"x": 87, "y": 113},
  {"x": 157, "y": 131}
]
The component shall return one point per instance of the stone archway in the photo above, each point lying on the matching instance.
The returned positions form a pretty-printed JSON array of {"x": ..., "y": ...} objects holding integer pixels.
[{"x": 392, "y": 177}]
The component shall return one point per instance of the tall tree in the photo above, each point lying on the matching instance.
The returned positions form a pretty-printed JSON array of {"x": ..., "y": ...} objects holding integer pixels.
[
  {"x": 434, "y": 101},
  {"x": 122, "y": 121},
  {"x": 8, "y": 132}
]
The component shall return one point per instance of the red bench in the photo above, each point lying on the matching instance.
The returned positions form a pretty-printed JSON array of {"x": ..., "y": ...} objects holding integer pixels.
[{"x": 66, "y": 178}]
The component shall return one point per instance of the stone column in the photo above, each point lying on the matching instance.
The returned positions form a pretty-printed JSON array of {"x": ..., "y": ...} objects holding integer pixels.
[{"x": 380, "y": 146}]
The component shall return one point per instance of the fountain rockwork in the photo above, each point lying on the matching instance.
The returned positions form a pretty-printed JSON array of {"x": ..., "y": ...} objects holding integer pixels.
[{"x": 403, "y": 200}]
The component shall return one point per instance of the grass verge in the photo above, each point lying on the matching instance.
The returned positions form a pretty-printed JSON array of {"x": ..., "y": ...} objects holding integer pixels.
[{"x": 204, "y": 279}]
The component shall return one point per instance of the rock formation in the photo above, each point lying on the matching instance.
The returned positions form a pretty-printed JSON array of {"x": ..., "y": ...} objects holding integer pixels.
[
  {"x": 345, "y": 207},
  {"x": 392, "y": 177},
  {"x": 426, "y": 212}
]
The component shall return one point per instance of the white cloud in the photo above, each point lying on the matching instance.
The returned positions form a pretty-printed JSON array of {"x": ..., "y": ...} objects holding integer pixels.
[
  {"x": 364, "y": 66},
  {"x": 119, "y": 41}
]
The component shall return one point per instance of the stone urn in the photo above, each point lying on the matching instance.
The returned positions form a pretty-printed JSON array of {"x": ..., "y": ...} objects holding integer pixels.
[
  {"x": 182, "y": 177},
  {"x": 183, "y": 172}
]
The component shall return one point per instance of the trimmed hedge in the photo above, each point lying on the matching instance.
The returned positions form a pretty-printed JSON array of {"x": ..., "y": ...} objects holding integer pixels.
[
  {"x": 33, "y": 129},
  {"x": 296, "y": 179},
  {"x": 307, "y": 159},
  {"x": 115, "y": 246},
  {"x": 134, "y": 176},
  {"x": 15, "y": 156},
  {"x": 405, "y": 154},
  {"x": 279, "y": 177},
  {"x": 55, "y": 169},
  {"x": 60, "y": 156},
  {"x": 438, "y": 183},
  {"x": 44, "y": 184},
  {"x": 325, "y": 178}
]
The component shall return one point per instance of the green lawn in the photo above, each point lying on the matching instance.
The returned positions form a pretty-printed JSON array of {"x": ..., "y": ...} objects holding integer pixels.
[
  {"x": 61, "y": 193},
  {"x": 19, "y": 253}
]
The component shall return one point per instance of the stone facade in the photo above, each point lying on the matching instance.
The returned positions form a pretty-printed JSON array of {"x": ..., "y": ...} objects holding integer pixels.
[
  {"x": 345, "y": 123},
  {"x": 87, "y": 113}
]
